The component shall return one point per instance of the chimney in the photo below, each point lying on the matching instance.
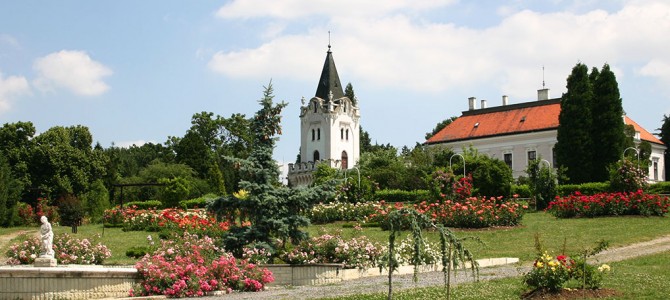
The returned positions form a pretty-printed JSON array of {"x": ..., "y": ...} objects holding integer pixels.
[
  {"x": 483, "y": 104},
  {"x": 542, "y": 94},
  {"x": 505, "y": 100},
  {"x": 471, "y": 103}
]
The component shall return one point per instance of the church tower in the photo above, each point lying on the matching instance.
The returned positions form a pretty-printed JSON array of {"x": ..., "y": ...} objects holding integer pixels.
[{"x": 329, "y": 128}]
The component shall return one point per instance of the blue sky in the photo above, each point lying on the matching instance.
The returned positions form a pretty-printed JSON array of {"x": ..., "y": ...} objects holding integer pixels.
[{"x": 136, "y": 71}]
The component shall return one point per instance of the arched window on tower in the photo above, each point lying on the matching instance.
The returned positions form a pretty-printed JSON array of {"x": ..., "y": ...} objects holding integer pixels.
[
  {"x": 316, "y": 155},
  {"x": 318, "y": 134},
  {"x": 347, "y": 134},
  {"x": 345, "y": 160},
  {"x": 315, "y": 106},
  {"x": 312, "y": 134},
  {"x": 341, "y": 133}
]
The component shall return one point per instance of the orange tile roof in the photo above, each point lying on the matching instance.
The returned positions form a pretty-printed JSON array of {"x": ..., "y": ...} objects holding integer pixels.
[
  {"x": 644, "y": 134},
  {"x": 512, "y": 119},
  {"x": 501, "y": 120}
]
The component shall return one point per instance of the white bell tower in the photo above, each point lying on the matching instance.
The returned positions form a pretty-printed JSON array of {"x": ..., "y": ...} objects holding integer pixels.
[{"x": 329, "y": 128}]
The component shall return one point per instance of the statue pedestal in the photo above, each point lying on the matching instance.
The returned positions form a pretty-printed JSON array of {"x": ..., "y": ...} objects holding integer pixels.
[{"x": 45, "y": 262}]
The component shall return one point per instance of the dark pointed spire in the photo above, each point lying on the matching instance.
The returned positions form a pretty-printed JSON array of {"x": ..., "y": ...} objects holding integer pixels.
[{"x": 329, "y": 80}]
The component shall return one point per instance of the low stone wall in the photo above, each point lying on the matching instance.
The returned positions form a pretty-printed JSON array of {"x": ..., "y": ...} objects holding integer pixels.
[
  {"x": 90, "y": 282},
  {"x": 65, "y": 282},
  {"x": 332, "y": 273}
]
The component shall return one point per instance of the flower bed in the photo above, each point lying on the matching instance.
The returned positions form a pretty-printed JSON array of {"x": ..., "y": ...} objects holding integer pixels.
[
  {"x": 67, "y": 250},
  {"x": 609, "y": 204},
  {"x": 195, "y": 221},
  {"x": 472, "y": 213},
  {"x": 192, "y": 266},
  {"x": 341, "y": 211},
  {"x": 357, "y": 252}
]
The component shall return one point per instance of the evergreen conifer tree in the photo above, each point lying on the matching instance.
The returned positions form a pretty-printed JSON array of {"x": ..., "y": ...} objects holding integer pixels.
[
  {"x": 273, "y": 210},
  {"x": 664, "y": 135},
  {"x": 574, "y": 147},
  {"x": 607, "y": 131}
]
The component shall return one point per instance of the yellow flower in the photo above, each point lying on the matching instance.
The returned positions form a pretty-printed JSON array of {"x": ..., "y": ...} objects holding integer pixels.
[
  {"x": 538, "y": 264},
  {"x": 553, "y": 268},
  {"x": 604, "y": 268},
  {"x": 241, "y": 194}
]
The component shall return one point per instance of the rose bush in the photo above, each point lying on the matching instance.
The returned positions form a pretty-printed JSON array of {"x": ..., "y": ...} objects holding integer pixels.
[
  {"x": 357, "y": 252},
  {"x": 188, "y": 266},
  {"x": 68, "y": 250},
  {"x": 609, "y": 204},
  {"x": 473, "y": 212}
]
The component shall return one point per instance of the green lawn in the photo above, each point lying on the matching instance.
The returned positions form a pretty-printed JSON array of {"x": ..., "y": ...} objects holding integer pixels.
[
  {"x": 645, "y": 277},
  {"x": 519, "y": 241},
  {"x": 500, "y": 242}
]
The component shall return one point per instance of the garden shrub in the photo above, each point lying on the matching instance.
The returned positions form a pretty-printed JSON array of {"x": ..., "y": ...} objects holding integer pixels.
[
  {"x": 96, "y": 201},
  {"x": 71, "y": 211},
  {"x": 67, "y": 250},
  {"x": 609, "y": 204},
  {"x": 473, "y": 213},
  {"x": 188, "y": 265},
  {"x": 26, "y": 214},
  {"x": 137, "y": 251},
  {"x": 625, "y": 176},
  {"x": 200, "y": 202},
  {"x": 176, "y": 189},
  {"x": 551, "y": 274},
  {"x": 521, "y": 190},
  {"x": 402, "y": 196},
  {"x": 662, "y": 187},
  {"x": 589, "y": 188},
  {"x": 357, "y": 252},
  {"x": 340, "y": 211},
  {"x": 148, "y": 204}
]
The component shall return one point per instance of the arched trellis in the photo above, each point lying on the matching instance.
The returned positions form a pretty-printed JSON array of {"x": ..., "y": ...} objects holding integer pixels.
[
  {"x": 122, "y": 185},
  {"x": 462, "y": 157}
]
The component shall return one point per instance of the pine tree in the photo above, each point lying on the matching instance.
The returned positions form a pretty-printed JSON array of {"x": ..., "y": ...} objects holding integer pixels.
[
  {"x": 349, "y": 92},
  {"x": 274, "y": 211},
  {"x": 574, "y": 147},
  {"x": 607, "y": 133}
]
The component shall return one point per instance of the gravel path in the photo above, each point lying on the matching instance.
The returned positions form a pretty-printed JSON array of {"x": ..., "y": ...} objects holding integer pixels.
[
  {"x": 5, "y": 240},
  {"x": 376, "y": 284},
  {"x": 379, "y": 284}
]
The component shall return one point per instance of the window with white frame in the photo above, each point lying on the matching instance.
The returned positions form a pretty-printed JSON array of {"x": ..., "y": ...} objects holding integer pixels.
[
  {"x": 507, "y": 157},
  {"x": 532, "y": 155}
]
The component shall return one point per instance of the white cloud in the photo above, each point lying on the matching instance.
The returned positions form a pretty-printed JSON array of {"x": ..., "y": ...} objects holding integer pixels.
[
  {"x": 72, "y": 70},
  {"x": 398, "y": 49},
  {"x": 11, "y": 87},
  {"x": 293, "y": 9},
  {"x": 128, "y": 144},
  {"x": 9, "y": 40}
]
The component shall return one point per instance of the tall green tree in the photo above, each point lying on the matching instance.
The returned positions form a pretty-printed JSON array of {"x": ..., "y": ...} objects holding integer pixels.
[
  {"x": 16, "y": 146},
  {"x": 9, "y": 193},
  {"x": 607, "y": 130},
  {"x": 664, "y": 135},
  {"x": 349, "y": 92},
  {"x": 63, "y": 161},
  {"x": 574, "y": 149}
]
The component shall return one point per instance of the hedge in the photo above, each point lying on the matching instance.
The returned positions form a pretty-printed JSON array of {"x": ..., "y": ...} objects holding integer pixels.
[
  {"x": 590, "y": 188},
  {"x": 522, "y": 190},
  {"x": 662, "y": 187},
  {"x": 402, "y": 196},
  {"x": 200, "y": 202},
  {"x": 149, "y": 204}
]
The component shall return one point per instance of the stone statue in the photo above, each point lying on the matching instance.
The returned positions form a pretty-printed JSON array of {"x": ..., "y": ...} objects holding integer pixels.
[{"x": 47, "y": 238}]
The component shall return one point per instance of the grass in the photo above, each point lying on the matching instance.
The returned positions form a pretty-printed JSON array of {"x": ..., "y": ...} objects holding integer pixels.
[
  {"x": 639, "y": 278},
  {"x": 519, "y": 241},
  {"x": 500, "y": 242}
]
